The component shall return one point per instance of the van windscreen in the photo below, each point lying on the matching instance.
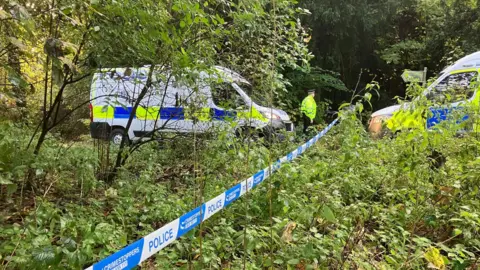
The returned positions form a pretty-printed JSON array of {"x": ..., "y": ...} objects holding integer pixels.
[{"x": 256, "y": 96}]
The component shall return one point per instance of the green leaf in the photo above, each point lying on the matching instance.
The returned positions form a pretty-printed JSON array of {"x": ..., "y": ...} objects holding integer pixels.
[
  {"x": 205, "y": 21},
  {"x": 368, "y": 96},
  {"x": 457, "y": 232},
  {"x": 11, "y": 188},
  {"x": 15, "y": 78},
  {"x": 219, "y": 19},
  {"x": 182, "y": 24},
  {"x": 293, "y": 261},
  {"x": 360, "y": 107},
  {"x": 44, "y": 255},
  {"x": 343, "y": 105},
  {"x": 4, "y": 180},
  {"x": 433, "y": 256},
  {"x": 327, "y": 214},
  {"x": 70, "y": 244}
]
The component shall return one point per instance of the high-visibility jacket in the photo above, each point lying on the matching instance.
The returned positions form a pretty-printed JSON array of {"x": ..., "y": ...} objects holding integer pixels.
[{"x": 309, "y": 107}]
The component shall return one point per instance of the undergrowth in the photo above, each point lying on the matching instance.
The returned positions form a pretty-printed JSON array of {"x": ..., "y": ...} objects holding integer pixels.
[{"x": 349, "y": 202}]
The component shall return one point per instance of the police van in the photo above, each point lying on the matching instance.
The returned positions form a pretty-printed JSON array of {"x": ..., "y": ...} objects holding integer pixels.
[
  {"x": 456, "y": 86},
  {"x": 217, "y": 99}
]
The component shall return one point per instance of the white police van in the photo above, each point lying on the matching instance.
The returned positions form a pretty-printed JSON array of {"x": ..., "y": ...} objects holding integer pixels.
[
  {"x": 218, "y": 99},
  {"x": 456, "y": 85}
]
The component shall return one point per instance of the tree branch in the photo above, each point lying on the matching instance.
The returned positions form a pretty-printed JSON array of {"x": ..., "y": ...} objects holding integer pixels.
[
  {"x": 76, "y": 108},
  {"x": 72, "y": 81}
]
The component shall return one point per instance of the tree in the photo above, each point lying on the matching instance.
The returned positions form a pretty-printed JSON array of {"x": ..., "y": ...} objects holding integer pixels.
[
  {"x": 176, "y": 36},
  {"x": 379, "y": 39},
  {"x": 15, "y": 21}
]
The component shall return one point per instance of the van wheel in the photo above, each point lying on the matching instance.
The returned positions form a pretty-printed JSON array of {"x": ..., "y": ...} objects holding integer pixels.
[{"x": 117, "y": 135}]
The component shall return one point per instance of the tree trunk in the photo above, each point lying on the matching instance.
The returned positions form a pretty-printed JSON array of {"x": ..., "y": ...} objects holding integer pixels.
[{"x": 143, "y": 92}]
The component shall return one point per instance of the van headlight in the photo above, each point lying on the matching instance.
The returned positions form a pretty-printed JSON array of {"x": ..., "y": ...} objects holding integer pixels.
[{"x": 271, "y": 116}]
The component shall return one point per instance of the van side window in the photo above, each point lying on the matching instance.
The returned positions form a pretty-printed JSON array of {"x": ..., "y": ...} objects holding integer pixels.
[
  {"x": 225, "y": 96},
  {"x": 456, "y": 87}
]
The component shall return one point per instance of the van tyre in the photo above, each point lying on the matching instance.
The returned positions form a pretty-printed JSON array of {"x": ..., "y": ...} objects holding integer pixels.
[{"x": 117, "y": 135}]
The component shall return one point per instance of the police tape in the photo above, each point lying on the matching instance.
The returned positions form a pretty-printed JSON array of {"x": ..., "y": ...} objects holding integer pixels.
[{"x": 137, "y": 252}]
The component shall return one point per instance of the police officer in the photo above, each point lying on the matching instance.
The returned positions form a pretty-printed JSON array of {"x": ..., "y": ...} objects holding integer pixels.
[{"x": 309, "y": 110}]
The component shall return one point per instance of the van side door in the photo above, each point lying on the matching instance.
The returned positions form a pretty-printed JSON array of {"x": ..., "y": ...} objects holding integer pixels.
[
  {"x": 172, "y": 101},
  {"x": 196, "y": 107},
  {"x": 227, "y": 103}
]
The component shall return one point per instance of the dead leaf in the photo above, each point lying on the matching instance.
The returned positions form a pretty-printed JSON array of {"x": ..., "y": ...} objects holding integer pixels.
[{"x": 288, "y": 231}]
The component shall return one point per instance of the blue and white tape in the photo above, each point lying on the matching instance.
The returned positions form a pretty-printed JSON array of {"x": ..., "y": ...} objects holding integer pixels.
[{"x": 139, "y": 251}]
